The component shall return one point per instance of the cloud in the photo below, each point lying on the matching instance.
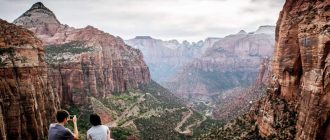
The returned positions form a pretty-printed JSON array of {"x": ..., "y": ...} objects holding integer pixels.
[{"x": 179, "y": 19}]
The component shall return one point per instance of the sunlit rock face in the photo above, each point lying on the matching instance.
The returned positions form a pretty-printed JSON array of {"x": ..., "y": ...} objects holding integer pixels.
[
  {"x": 300, "y": 72},
  {"x": 231, "y": 62},
  {"x": 27, "y": 103},
  {"x": 84, "y": 62},
  {"x": 165, "y": 58}
]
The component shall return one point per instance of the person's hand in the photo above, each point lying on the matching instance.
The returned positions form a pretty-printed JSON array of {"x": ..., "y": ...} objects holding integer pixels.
[{"x": 74, "y": 119}]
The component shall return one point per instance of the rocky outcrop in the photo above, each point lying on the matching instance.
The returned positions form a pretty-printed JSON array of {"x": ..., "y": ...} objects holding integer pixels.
[
  {"x": 165, "y": 58},
  {"x": 84, "y": 62},
  {"x": 27, "y": 103},
  {"x": 300, "y": 71},
  {"x": 264, "y": 74}
]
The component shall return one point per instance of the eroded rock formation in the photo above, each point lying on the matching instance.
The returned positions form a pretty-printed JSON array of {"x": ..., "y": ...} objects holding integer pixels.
[
  {"x": 27, "y": 103},
  {"x": 84, "y": 61},
  {"x": 300, "y": 72}
]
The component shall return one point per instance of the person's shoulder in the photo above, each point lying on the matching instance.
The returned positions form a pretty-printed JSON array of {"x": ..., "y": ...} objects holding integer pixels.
[
  {"x": 52, "y": 125},
  {"x": 104, "y": 127},
  {"x": 67, "y": 132},
  {"x": 90, "y": 130}
]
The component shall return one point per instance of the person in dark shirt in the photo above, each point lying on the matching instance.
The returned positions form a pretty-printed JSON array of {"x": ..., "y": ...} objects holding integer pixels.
[{"x": 57, "y": 131}]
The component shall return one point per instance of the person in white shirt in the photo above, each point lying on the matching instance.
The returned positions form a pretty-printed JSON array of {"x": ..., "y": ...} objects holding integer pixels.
[{"x": 97, "y": 131}]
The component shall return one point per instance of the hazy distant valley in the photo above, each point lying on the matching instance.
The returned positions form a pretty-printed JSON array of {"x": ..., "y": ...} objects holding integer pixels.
[{"x": 207, "y": 72}]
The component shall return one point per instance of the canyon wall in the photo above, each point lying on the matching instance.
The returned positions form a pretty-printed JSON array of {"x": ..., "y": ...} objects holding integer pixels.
[
  {"x": 27, "y": 103},
  {"x": 300, "y": 77},
  {"x": 84, "y": 62}
]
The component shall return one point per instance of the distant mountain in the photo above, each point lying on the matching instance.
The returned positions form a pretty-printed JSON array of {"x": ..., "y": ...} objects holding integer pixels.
[
  {"x": 231, "y": 62},
  {"x": 240, "y": 53},
  {"x": 165, "y": 58},
  {"x": 266, "y": 29}
]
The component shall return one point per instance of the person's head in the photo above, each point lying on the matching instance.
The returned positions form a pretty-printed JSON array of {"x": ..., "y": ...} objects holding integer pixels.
[
  {"x": 95, "y": 119},
  {"x": 62, "y": 116}
]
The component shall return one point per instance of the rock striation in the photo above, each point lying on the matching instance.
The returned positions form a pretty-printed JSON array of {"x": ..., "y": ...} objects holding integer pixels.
[
  {"x": 84, "y": 62},
  {"x": 27, "y": 102},
  {"x": 300, "y": 71}
]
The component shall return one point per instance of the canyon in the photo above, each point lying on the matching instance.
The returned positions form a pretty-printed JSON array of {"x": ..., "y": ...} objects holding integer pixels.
[
  {"x": 205, "y": 72},
  {"x": 230, "y": 62},
  {"x": 272, "y": 83},
  {"x": 83, "y": 71},
  {"x": 297, "y": 101},
  {"x": 84, "y": 61}
]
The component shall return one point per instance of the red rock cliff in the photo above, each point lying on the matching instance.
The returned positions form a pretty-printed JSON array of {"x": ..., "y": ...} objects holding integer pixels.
[
  {"x": 26, "y": 101},
  {"x": 301, "y": 73},
  {"x": 84, "y": 61}
]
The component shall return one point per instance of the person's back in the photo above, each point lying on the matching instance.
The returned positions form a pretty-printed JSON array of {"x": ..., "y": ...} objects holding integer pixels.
[
  {"x": 99, "y": 132},
  {"x": 59, "y": 132}
]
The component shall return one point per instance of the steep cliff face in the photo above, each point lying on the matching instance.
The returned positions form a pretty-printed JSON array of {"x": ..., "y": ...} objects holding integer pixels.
[
  {"x": 85, "y": 61},
  {"x": 300, "y": 69},
  {"x": 26, "y": 101},
  {"x": 165, "y": 58}
]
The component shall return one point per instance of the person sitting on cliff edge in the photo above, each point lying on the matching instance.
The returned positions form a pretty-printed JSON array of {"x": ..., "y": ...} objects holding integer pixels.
[
  {"x": 57, "y": 131},
  {"x": 97, "y": 131}
]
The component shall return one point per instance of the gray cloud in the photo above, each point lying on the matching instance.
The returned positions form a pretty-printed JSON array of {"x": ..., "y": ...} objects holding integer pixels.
[{"x": 179, "y": 19}]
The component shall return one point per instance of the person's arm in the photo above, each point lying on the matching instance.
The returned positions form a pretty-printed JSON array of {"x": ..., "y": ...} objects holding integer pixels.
[
  {"x": 75, "y": 128},
  {"x": 89, "y": 137},
  {"x": 109, "y": 133}
]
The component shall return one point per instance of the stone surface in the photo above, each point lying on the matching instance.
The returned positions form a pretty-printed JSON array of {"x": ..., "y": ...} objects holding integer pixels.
[
  {"x": 300, "y": 71},
  {"x": 27, "y": 103},
  {"x": 84, "y": 62}
]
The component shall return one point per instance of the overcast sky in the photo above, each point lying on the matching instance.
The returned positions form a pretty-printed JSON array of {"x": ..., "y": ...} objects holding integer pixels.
[{"x": 164, "y": 19}]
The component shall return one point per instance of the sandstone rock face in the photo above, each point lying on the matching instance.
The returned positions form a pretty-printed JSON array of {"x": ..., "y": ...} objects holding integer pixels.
[
  {"x": 165, "y": 58},
  {"x": 84, "y": 62},
  {"x": 27, "y": 103},
  {"x": 300, "y": 71}
]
